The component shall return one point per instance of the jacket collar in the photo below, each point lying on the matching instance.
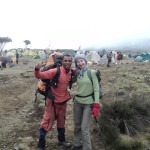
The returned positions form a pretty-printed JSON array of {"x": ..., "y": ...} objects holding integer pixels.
[{"x": 63, "y": 69}]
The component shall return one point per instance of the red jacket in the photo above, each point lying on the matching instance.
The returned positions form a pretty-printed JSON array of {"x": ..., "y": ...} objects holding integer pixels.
[{"x": 61, "y": 93}]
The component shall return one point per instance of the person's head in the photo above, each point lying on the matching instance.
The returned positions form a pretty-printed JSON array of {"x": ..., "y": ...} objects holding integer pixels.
[
  {"x": 67, "y": 61},
  {"x": 80, "y": 61}
]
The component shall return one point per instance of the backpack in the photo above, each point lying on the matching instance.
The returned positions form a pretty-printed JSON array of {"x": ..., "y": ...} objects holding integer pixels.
[
  {"x": 44, "y": 86},
  {"x": 119, "y": 56},
  {"x": 98, "y": 75}
]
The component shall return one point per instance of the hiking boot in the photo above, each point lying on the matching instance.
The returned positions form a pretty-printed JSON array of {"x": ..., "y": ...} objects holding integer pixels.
[
  {"x": 64, "y": 144},
  {"x": 41, "y": 148},
  {"x": 61, "y": 138},
  {"x": 41, "y": 143},
  {"x": 76, "y": 147}
]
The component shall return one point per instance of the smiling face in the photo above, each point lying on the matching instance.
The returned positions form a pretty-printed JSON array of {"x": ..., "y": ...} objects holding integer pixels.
[
  {"x": 67, "y": 61},
  {"x": 81, "y": 63}
]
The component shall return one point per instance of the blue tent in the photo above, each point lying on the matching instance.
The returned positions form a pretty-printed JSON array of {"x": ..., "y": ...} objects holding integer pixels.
[
  {"x": 143, "y": 57},
  {"x": 138, "y": 59}
]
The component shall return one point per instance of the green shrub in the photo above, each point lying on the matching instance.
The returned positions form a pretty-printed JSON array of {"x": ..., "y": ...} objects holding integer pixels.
[
  {"x": 128, "y": 117},
  {"x": 124, "y": 142},
  {"x": 140, "y": 143}
]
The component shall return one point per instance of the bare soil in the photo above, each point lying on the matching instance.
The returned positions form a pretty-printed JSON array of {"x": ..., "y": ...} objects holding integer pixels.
[{"x": 20, "y": 116}]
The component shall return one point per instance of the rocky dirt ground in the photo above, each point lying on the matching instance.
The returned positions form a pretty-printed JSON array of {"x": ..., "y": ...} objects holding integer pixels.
[{"x": 20, "y": 116}]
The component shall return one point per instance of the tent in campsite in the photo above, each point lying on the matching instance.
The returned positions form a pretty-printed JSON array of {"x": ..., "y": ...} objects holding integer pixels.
[
  {"x": 143, "y": 57},
  {"x": 93, "y": 56},
  {"x": 29, "y": 53},
  {"x": 6, "y": 61},
  {"x": 10, "y": 53},
  {"x": 67, "y": 51},
  {"x": 102, "y": 53},
  {"x": 138, "y": 59},
  {"x": 40, "y": 56},
  {"x": 103, "y": 59}
]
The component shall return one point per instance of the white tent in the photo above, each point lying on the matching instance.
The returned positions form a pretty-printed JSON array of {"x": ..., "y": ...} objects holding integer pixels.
[
  {"x": 93, "y": 56},
  {"x": 103, "y": 59}
]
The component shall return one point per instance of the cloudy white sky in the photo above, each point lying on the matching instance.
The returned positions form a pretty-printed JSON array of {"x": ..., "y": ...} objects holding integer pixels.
[{"x": 71, "y": 23}]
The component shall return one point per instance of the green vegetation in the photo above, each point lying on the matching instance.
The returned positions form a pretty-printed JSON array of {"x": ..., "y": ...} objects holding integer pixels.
[
  {"x": 124, "y": 123},
  {"x": 3, "y": 42}
]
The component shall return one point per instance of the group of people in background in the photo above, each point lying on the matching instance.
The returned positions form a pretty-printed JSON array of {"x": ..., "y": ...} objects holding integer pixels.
[{"x": 118, "y": 56}]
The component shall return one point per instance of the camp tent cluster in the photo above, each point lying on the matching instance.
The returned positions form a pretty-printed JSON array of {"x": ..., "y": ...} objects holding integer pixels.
[{"x": 94, "y": 57}]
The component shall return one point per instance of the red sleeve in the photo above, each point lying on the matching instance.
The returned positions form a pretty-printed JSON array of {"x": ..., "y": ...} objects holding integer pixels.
[{"x": 49, "y": 74}]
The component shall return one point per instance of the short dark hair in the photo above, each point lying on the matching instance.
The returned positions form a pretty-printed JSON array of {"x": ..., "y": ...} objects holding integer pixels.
[{"x": 67, "y": 55}]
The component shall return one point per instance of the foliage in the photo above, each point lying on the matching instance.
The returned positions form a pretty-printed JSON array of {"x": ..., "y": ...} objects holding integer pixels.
[
  {"x": 3, "y": 41},
  {"x": 122, "y": 119},
  {"x": 140, "y": 143},
  {"x": 27, "y": 42},
  {"x": 124, "y": 142}
]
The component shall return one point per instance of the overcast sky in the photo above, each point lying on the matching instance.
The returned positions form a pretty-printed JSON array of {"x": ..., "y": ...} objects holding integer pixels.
[{"x": 71, "y": 23}]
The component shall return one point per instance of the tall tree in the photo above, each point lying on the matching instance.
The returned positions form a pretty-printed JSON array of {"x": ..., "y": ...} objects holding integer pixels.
[
  {"x": 3, "y": 42},
  {"x": 27, "y": 42}
]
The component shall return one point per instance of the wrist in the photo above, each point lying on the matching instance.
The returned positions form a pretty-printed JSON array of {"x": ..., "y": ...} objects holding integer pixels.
[
  {"x": 96, "y": 105},
  {"x": 37, "y": 69}
]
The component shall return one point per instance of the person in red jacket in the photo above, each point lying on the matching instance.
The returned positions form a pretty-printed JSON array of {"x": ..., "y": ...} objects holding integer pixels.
[{"x": 58, "y": 110}]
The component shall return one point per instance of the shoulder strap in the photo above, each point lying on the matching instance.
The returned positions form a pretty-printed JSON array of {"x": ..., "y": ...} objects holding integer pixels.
[
  {"x": 56, "y": 77},
  {"x": 72, "y": 77},
  {"x": 99, "y": 79},
  {"x": 48, "y": 67},
  {"x": 89, "y": 75}
]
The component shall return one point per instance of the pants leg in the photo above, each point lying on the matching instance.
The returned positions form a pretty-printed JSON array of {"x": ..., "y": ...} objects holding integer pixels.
[
  {"x": 16, "y": 60},
  {"x": 85, "y": 127},
  {"x": 78, "y": 114},
  {"x": 48, "y": 117},
  {"x": 61, "y": 114},
  {"x": 61, "y": 117}
]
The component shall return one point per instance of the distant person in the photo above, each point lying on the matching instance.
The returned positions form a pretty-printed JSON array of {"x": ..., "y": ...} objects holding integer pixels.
[
  {"x": 119, "y": 57},
  {"x": 10, "y": 63},
  {"x": 129, "y": 55},
  {"x": 109, "y": 57},
  {"x": 17, "y": 57}
]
